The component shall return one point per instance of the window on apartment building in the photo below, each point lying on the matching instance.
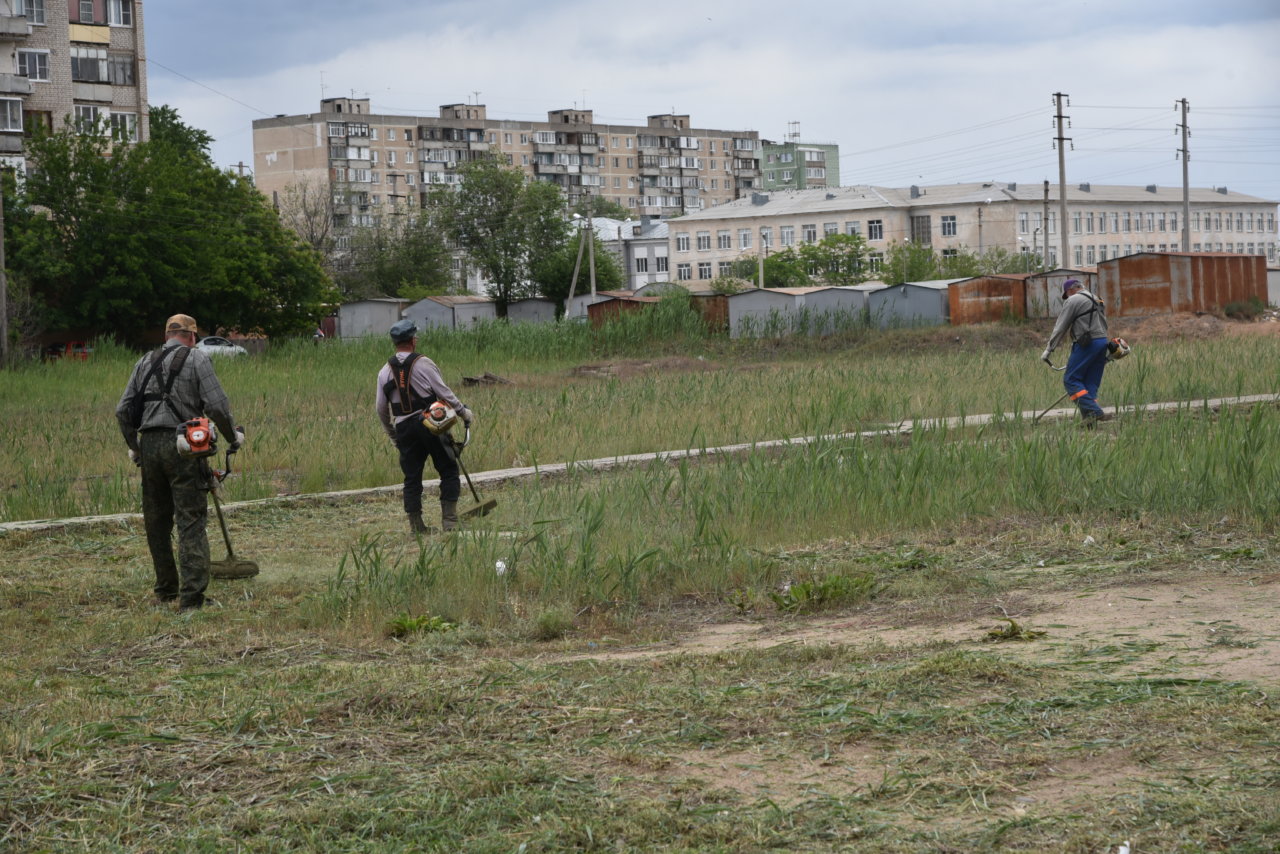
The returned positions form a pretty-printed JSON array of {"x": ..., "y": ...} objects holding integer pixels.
[
  {"x": 1023, "y": 221},
  {"x": 1089, "y": 223},
  {"x": 704, "y": 241},
  {"x": 744, "y": 238},
  {"x": 11, "y": 114},
  {"x": 787, "y": 174},
  {"x": 86, "y": 12},
  {"x": 32, "y": 9},
  {"x": 766, "y": 237},
  {"x": 32, "y": 119},
  {"x": 786, "y": 235},
  {"x": 853, "y": 227},
  {"x": 948, "y": 226},
  {"x": 1079, "y": 253},
  {"x": 660, "y": 264},
  {"x": 950, "y": 253},
  {"x": 1173, "y": 222},
  {"x": 1217, "y": 221},
  {"x": 875, "y": 261},
  {"x": 875, "y": 229},
  {"x": 33, "y": 64},
  {"x": 1151, "y": 221},
  {"x": 617, "y": 183},
  {"x": 1239, "y": 222},
  {"x": 124, "y": 126},
  {"x": 642, "y": 265},
  {"x": 809, "y": 233},
  {"x": 391, "y": 158},
  {"x": 373, "y": 157},
  {"x": 337, "y": 129},
  {"x": 684, "y": 272},
  {"x": 1271, "y": 222},
  {"x": 1161, "y": 220},
  {"x": 1077, "y": 223},
  {"x": 724, "y": 268},
  {"x": 830, "y": 228},
  {"x": 120, "y": 69},
  {"x": 682, "y": 242},
  {"x": 704, "y": 269},
  {"x": 1115, "y": 223},
  {"x": 120, "y": 13},
  {"x": 409, "y": 179},
  {"x": 724, "y": 239},
  {"x": 86, "y": 117},
  {"x": 815, "y": 173},
  {"x": 88, "y": 64},
  {"x": 1090, "y": 256}
]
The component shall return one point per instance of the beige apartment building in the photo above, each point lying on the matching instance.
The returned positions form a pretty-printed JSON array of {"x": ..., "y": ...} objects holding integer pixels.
[
  {"x": 663, "y": 168},
  {"x": 1102, "y": 222},
  {"x": 76, "y": 61}
]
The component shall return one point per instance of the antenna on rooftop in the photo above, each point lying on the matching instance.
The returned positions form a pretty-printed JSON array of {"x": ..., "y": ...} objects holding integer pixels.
[{"x": 476, "y": 92}]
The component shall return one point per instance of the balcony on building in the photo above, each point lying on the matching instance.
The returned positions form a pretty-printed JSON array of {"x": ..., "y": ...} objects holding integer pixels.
[
  {"x": 10, "y": 143},
  {"x": 13, "y": 27},
  {"x": 13, "y": 84}
]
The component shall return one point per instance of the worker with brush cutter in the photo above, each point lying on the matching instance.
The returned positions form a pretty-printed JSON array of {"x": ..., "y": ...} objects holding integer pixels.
[
  {"x": 1084, "y": 317},
  {"x": 407, "y": 385},
  {"x": 169, "y": 414}
]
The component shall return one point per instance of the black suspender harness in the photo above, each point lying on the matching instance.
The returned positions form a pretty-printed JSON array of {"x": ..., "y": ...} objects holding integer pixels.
[
  {"x": 142, "y": 398},
  {"x": 1097, "y": 306},
  {"x": 401, "y": 372}
]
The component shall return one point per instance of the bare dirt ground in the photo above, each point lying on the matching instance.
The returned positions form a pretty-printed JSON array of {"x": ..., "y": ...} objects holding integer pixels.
[{"x": 1204, "y": 628}]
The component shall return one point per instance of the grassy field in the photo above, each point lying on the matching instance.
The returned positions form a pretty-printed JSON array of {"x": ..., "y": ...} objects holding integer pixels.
[
  {"x": 1010, "y": 639},
  {"x": 578, "y": 394}
]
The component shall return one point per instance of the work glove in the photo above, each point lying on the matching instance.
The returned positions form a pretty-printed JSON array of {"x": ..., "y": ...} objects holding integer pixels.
[
  {"x": 238, "y": 443},
  {"x": 134, "y": 457},
  {"x": 467, "y": 417},
  {"x": 1044, "y": 357}
]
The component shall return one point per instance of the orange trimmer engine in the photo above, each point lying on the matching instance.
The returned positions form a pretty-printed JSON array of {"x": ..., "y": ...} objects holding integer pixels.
[
  {"x": 439, "y": 418},
  {"x": 197, "y": 438}
]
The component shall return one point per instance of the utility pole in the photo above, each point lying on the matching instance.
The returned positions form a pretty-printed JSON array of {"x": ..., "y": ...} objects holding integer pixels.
[
  {"x": 1062, "y": 180},
  {"x": 4, "y": 296},
  {"x": 591, "y": 246},
  {"x": 1045, "y": 223},
  {"x": 1186, "y": 186}
]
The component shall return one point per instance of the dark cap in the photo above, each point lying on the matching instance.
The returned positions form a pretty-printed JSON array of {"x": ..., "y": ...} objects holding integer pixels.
[
  {"x": 1069, "y": 284},
  {"x": 403, "y": 331}
]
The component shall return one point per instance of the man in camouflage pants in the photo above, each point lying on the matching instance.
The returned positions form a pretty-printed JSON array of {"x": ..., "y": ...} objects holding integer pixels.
[{"x": 175, "y": 486}]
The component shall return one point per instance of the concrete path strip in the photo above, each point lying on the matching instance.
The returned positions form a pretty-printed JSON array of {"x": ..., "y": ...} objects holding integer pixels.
[{"x": 499, "y": 476}]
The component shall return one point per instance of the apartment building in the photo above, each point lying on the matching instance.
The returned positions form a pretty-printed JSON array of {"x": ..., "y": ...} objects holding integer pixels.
[
  {"x": 799, "y": 165},
  {"x": 1103, "y": 222},
  {"x": 663, "y": 168},
  {"x": 75, "y": 61}
]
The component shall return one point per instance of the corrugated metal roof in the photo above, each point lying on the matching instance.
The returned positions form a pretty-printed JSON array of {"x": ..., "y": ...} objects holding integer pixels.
[
  {"x": 863, "y": 197},
  {"x": 452, "y": 300},
  {"x": 801, "y": 291}
]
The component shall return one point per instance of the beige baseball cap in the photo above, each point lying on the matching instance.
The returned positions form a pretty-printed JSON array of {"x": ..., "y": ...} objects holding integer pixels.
[{"x": 180, "y": 323}]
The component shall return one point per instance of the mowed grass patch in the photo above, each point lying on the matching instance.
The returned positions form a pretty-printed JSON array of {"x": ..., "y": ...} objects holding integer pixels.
[
  {"x": 311, "y": 427},
  {"x": 224, "y": 732}
]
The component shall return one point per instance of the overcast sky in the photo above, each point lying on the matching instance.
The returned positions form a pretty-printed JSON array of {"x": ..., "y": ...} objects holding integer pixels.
[{"x": 913, "y": 92}]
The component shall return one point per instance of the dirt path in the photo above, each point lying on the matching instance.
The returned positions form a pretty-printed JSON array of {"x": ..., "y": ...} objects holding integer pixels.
[{"x": 1202, "y": 628}]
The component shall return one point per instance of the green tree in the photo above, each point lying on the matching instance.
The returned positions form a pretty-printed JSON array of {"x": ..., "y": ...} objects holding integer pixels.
[
  {"x": 600, "y": 206},
  {"x": 909, "y": 262},
  {"x": 552, "y": 272},
  {"x": 505, "y": 224},
  {"x": 785, "y": 269},
  {"x": 403, "y": 255},
  {"x": 837, "y": 259},
  {"x": 117, "y": 237}
]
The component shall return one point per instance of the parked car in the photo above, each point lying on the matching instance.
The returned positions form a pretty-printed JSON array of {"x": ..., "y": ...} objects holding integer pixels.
[
  {"x": 78, "y": 350},
  {"x": 218, "y": 346}
]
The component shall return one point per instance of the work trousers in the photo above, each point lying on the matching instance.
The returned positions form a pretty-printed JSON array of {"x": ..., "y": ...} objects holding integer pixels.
[
  {"x": 416, "y": 443},
  {"x": 175, "y": 489},
  {"x": 1084, "y": 375}
]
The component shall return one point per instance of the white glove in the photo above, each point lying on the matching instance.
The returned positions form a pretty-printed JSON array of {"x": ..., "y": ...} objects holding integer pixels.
[
  {"x": 1044, "y": 357},
  {"x": 467, "y": 416},
  {"x": 238, "y": 444},
  {"x": 134, "y": 457}
]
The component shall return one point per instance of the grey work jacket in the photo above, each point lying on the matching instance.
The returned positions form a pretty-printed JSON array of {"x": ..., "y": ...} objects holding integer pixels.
[
  {"x": 196, "y": 392},
  {"x": 1084, "y": 316}
]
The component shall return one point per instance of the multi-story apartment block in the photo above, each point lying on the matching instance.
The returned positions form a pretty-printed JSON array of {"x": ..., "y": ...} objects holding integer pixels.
[
  {"x": 75, "y": 62},
  {"x": 664, "y": 168},
  {"x": 799, "y": 165},
  {"x": 1102, "y": 223}
]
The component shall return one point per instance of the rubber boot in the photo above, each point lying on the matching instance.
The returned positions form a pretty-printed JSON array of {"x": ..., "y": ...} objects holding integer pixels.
[
  {"x": 416, "y": 526},
  {"x": 448, "y": 515}
]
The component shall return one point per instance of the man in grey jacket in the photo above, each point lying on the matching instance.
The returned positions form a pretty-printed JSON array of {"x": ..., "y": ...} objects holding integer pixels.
[
  {"x": 407, "y": 385},
  {"x": 1084, "y": 317},
  {"x": 174, "y": 486}
]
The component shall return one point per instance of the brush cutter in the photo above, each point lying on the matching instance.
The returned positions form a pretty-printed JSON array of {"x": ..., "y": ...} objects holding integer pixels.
[
  {"x": 230, "y": 567},
  {"x": 482, "y": 508}
]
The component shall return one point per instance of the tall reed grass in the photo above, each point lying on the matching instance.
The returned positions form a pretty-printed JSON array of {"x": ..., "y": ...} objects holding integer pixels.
[
  {"x": 656, "y": 534},
  {"x": 311, "y": 426}
]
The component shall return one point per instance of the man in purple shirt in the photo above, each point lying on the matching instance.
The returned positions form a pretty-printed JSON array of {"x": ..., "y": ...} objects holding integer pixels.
[{"x": 407, "y": 384}]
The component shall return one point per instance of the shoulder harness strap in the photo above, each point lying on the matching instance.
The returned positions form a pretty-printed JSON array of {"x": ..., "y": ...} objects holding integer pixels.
[{"x": 399, "y": 382}]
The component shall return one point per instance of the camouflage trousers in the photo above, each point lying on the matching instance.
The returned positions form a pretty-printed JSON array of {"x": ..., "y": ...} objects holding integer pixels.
[{"x": 175, "y": 489}]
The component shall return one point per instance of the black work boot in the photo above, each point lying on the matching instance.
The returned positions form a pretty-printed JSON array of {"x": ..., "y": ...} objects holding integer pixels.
[
  {"x": 448, "y": 515},
  {"x": 416, "y": 526}
]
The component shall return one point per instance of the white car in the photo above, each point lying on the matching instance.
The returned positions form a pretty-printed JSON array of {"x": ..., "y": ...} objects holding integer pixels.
[{"x": 216, "y": 346}]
